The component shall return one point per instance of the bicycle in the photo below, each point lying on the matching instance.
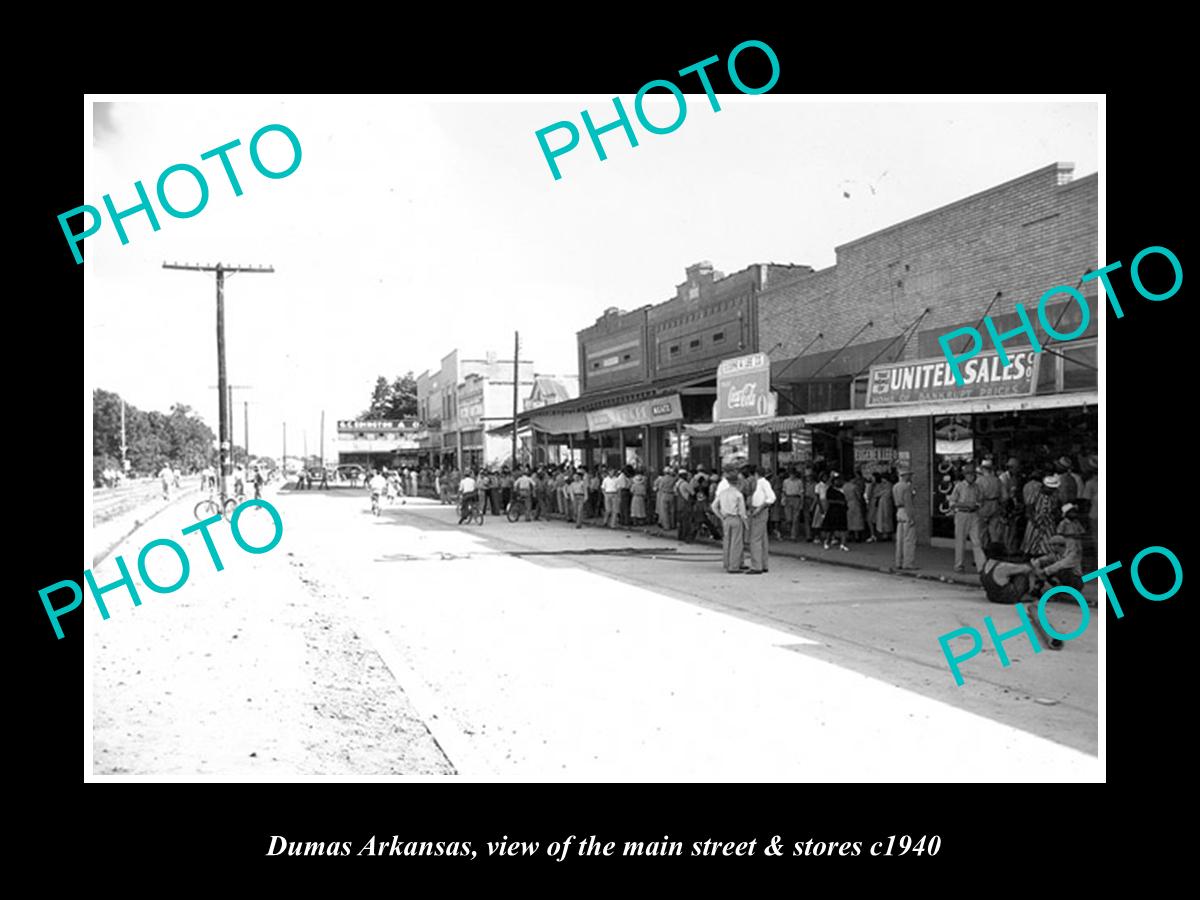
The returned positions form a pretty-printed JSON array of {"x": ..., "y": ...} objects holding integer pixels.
[
  {"x": 474, "y": 514},
  {"x": 516, "y": 508},
  {"x": 376, "y": 509},
  {"x": 210, "y": 507}
]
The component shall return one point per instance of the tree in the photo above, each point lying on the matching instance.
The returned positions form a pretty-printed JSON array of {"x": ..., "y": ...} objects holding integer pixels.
[
  {"x": 403, "y": 402},
  {"x": 152, "y": 439},
  {"x": 393, "y": 401},
  {"x": 380, "y": 399}
]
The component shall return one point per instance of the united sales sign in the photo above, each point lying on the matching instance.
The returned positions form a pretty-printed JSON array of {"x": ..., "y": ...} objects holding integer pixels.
[{"x": 925, "y": 380}]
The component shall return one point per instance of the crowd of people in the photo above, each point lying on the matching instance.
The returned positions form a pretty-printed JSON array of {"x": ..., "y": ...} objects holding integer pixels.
[{"x": 1042, "y": 516}]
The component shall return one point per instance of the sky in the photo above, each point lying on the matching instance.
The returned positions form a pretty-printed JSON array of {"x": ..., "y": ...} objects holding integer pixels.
[{"x": 417, "y": 225}]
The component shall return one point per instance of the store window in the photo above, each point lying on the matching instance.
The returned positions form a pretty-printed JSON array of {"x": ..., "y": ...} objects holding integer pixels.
[{"x": 1079, "y": 367}]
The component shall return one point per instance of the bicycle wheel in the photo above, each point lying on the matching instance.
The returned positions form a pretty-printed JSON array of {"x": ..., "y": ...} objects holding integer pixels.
[
  {"x": 206, "y": 509},
  {"x": 230, "y": 505},
  {"x": 514, "y": 512},
  {"x": 478, "y": 517}
]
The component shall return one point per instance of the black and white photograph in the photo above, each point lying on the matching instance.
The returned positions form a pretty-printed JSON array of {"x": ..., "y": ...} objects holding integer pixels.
[{"x": 702, "y": 434}]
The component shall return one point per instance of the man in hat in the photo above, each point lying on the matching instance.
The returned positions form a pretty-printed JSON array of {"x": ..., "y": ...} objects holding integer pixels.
[
  {"x": 664, "y": 498},
  {"x": 905, "y": 497},
  {"x": 964, "y": 501},
  {"x": 730, "y": 506},
  {"x": 1063, "y": 564},
  {"x": 991, "y": 521}
]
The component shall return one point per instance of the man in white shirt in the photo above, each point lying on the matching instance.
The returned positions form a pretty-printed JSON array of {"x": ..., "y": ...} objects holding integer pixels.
[
  {"x": 168, "y": 478},
  {"x": 611, "y": 499},
  {"x": 376, "y": 485},
  {"x": 469, "y": 491},
  {"x": 761, "y": 502},
  {"x": 730, "y": 506}
]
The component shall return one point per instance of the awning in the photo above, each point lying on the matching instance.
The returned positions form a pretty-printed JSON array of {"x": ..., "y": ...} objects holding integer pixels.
[
  {"x": 773, "y": 425},
  {"x": 957, "y": 407}
]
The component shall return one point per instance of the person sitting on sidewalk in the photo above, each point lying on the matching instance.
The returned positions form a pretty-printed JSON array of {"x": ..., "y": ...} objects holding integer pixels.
[
  {"x": 1063, "y": 565},
  {"x": 1004, "y": 581}
]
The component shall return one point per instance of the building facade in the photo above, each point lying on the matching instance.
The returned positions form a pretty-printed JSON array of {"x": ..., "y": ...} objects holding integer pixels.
[
  {"x": 645, "y": 374},
  {"x": 461, "y": 400},
  {"x": 857, "y": 375},
  {"x": 874, "y": 388},
  {"x": 378, "y": 444}
]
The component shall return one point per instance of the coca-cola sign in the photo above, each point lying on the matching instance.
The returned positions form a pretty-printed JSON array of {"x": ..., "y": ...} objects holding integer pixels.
[{"x": 744, "y": 388}]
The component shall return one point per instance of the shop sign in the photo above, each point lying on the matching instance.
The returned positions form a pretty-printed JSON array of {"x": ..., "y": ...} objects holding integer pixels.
[
  {"x": 648, "y": 412},
  {"x": 925, "y": 380},
  {"x": 380, "y": 425},
  {"x": 744, "y": 389}
]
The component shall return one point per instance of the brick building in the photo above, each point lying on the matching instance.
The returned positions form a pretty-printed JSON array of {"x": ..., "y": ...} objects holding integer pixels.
[
  {"x": 847, "y": 346},
  {"x": 881, "y": 309},
  {"x": 647, "y": 373}
]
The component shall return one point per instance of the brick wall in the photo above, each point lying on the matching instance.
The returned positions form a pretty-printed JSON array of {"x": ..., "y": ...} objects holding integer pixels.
[{"x": 1022, "y": 237}]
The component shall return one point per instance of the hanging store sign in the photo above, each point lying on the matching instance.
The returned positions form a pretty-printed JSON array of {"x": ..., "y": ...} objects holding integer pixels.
[
  {"x": 923, "y": 380},
  {"x": 648, "y": 412},
  {"x": 744, "y": 389}
]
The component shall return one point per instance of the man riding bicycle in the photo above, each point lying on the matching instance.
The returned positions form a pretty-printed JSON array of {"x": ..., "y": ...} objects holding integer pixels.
[
  {"x": 469, "y": 491},
  {"x": 376, "y": 485}
]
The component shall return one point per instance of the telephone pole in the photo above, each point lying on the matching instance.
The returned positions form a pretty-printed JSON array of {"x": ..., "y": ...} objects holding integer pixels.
[
  {"x": 516, "y": 380},
  {"x": 284, "y": 473},
  {"x": 223, "y": 410},
  {"x": 322, "y": 439},
  {"x": 229, "y": 389}
]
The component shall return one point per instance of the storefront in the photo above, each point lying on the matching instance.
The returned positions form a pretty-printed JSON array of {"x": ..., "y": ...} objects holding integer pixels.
[{"x": 913, "y": 412}]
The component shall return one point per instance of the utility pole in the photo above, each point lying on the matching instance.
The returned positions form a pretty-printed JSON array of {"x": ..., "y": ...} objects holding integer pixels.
[
  {"x": 322, "y": 440},
  {"x": 229, "y": 389},
  {"x": 246, "y": 427},
  {"x": 223, "y": 411},
  {"x": 516, "y": 379},
  {"x": 284, "y": 473}
]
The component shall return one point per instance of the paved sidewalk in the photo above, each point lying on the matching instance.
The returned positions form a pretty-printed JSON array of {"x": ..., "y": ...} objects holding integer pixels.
[{"x": 934, "y": 563}]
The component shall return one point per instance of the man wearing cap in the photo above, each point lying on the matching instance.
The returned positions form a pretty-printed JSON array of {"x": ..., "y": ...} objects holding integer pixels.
[
  {"x": 730, "y": 506},
  {"x": 964, "y": 501},
  {"x": 905, "y": 497},
  {"x": 1063, "y": 564},
  {"x": 991, "y": 524}
]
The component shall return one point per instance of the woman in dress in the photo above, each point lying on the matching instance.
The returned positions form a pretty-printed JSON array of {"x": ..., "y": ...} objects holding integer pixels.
[
  {"x": 820, "y": 490},
  {"x": 872, "y": 494},
  {"x": 855, "y": 507},
  {"x": 1042, "y": 518},
  {"x": 885, "y": 517},
  {"x": 637, "y": 505},
  {"x": 835, "y": 512}
]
